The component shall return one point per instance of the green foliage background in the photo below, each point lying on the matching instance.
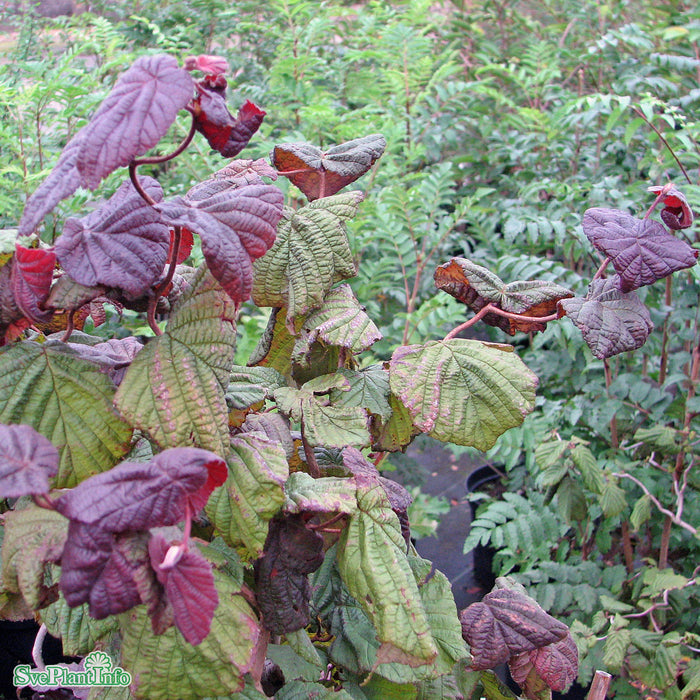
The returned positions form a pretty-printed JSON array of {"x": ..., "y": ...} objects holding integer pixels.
[{"x": 504, "y": 122}]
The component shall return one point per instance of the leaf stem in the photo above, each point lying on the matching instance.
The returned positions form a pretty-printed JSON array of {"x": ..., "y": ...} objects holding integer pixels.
[
  {"x": 43, "y": 500},
  {"x": 311, "y": 461},
  {"x": 70, "y": 326},
  {"x": 599, "y": 272},
  {"x": 665, "y": 143},
  {"x": 153, "y": 160},
  {"x": 165, "y": 283},
  {"x": 137, "y": 184},
  {"x": 490, "y": 308}
]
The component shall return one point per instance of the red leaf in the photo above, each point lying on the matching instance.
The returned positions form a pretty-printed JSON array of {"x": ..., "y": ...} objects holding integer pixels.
[
  {"x": 138, "y": 496},
  {"x": 236, "y": 226},
  {"x": 318, "y": 174},
  {"x": 677, "y": 213},
  {"x": 225, "y": 134},
  {"x": 27, "y": 460},
  {"x": 186, "y": 245},
  {"x": 189, "y": 587},
  {"x": 557, "y": 663},
  {"x": 212, "y": 65},
  {"x": 32, "y": 274},
  {"x": 123, "y": 244},
  {"x": 134, "y": 116}
]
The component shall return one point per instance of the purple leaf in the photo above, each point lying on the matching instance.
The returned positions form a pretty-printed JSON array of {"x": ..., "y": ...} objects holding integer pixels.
[
  {"x": 103, "y": 569},
  {"x": 138, "y": 496},
  {"x": 281, "y": 574},
  {"x": 122, "y": 244},
  {"x": 225, "y": 133},
  {"x": 557, "y": 663},
  {"x": 236, "y": 227},
  {"x": 189, "y": 587},
  {"x": 32, "y": 274},
  {"x": 611, "y": 322},
  {"x": 27, "y": 460},
  {"x": 62, "y": 181},
  {"x": 113, "y": 356},
  {"x": 237, "y": 173},
  {"x": 134, "y": 116},
  {"x": 641, "y": 250},
  {"x": 504, "y": 624}
]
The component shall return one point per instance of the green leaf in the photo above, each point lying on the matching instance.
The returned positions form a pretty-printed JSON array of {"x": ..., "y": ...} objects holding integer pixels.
[
  {"x": 301, "y": 690},
  {"x": 691, "y": 677},
  {"x": 571, "y": 501},
  {"x": 641, "y": 512},
  {"x": 613, "y": 499},
  {"x": 69, "y": 401},
  {"x": 463, "y": 391},
  {"x": 276, "y": 345},
  {"x": 250, "y": 385},
  {"x": 242, "y": 507},
  {"x": 302, "y": 645},
  {"x": 174, "y": 388},
  {"x": 494, "y": 688},
  {"x": 75, "y": 628},
  {"x": 615, "y": 649},
  {"x": 325, "y": 495},
  {"x": 373, "y": 565},
  {"x": 342, "y": 321},
  {"x": 394, "y": 434},
  {"x": 369, "y": 388},
  {"x": 323, "y": 423},
  {"x": 593, "y": 477},
  {"x": 310, "y": 254},
  {"x": 657, "y": 581},
  {"x": 33, "y": 538},
  {"x": 166, "y": 666},
  {"x": 68, "y": 294},
  {"x": 661, "y": 438},
  {"x": 378, "y": 688}
]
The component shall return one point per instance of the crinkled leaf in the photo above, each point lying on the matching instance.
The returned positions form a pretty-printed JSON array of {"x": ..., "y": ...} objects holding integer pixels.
[
  {"x": 61, "y": 182},
  {"x": 321, "y": 174},
  {"x": 167, "y": 666},
  {"x": 310, "y": 254},
  {"x": 506, "y": 623},
  {"x": 342, "y": 321},
  {"x": 394, "y": 434},
  {"x": 245, "y": 172},
  {"x": 476, "y": 287},
  {"x": 236, "y": 226},
  {"x": 373, "y": 565},
  {"x": 27, "y": 460},
  {"x": 323, "y": 423},
  {"x": 100, "y": 569},
  {"x": 76, "y": 406},
  {"x": 123, "y": 244},
  {"x": 141, "y": 495},
  {"x": 304, "y": 494},
  {"x": 113, "y": 356},
  {"x": 189, "y": 587},
  {"x": 253, "y": 492},
  {"x": 275, "y": 346},
  {"x": 613, "y": 499},
  {"x": 557, "y": 664},
  {"x": 78, "y": 632},
  {"x": 33, "y": 538},
  {"x": 211, "y": 65},
  {"x": 462, "y": 391},
  {"x": 610, "y": 321},
  {"x": 225, "y": 133},
  {"x": 134, "y": 116},
  {"x": 68, "y": 294},
  {"x": 250, "y": 385},
  {"x": 525, "y": 674},
  {"x": 274, "y": 426},
  {"x": 641, "y": 250},
  {"x": 369, "y": 388},
  {"x": 174, "y": 388},
  {"x": 281, "y": 574},
  {"x": 305, "y": 690},
  {"x": 32, "y": 274}
]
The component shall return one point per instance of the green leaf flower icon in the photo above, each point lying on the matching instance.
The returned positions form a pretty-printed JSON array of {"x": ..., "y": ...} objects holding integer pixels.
[{"x": 98, "y": 659}]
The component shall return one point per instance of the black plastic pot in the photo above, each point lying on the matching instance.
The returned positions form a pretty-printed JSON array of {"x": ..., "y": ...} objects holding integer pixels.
[{"x": 483, "y": 478}]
